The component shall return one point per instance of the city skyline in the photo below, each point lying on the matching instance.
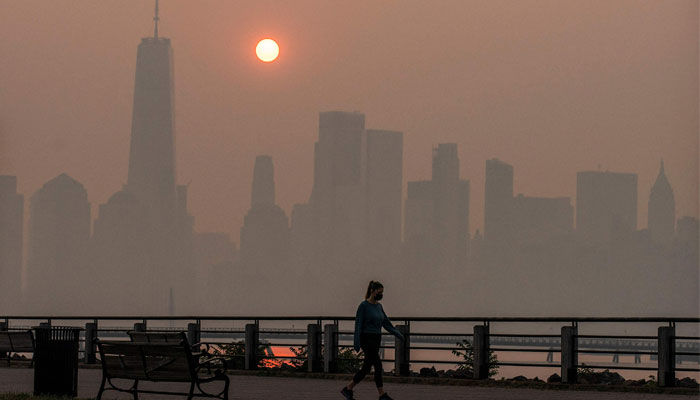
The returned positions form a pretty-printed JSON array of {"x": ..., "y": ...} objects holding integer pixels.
[{"x": 218, "y": 143}]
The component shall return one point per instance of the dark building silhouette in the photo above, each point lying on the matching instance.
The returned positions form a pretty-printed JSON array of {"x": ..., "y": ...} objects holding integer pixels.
[
  {"x": 418, "y": 228},
  {"x": 451, "y": 207},
  {"x": 688, "y": 231},
  {"x": 59, "y": 234},
  {"x": 662, "y": 210},
  {"x": 498, "y": 201},
  {"x": 540, "y": 220},
  {"x": 606, "y": 206},
  {"x": 338, "y": 194},
  {"x": 214, "y": 258},
  {"x": 11, "y": 243},
  {"x": 119, "y": 249},
  {"x": 384, "y": 196},
  {"x": 303, "y": 239},
  {"x": 265, "y": 232},
  {"x": 147, "y": 223},
  {"x": 437, "y": 216}
]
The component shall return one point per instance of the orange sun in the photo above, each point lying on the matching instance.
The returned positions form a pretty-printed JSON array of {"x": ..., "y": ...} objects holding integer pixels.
[{"x": 267, "y": 50}]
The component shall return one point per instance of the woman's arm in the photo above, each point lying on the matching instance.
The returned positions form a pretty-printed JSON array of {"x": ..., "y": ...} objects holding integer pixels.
[
  {"x": 389, "y": 327},
  {"x": 359, "y": 316}
]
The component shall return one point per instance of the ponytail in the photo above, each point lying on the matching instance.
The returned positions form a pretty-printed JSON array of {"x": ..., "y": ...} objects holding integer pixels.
[{"x": 373, "y": 285}]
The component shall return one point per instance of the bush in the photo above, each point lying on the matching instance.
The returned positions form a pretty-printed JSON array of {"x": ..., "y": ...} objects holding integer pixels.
[
  {"x": 467, "y": 353},
  {"x": 234, "y": 353}
]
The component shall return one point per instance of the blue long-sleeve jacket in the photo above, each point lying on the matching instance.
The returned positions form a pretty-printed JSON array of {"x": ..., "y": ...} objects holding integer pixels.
[{"x": 371, "y": 318}]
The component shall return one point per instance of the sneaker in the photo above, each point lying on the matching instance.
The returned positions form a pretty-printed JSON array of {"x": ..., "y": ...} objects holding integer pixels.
[
  {"x": 385, "y": 397},
  {"x": 347, "y": 393}
]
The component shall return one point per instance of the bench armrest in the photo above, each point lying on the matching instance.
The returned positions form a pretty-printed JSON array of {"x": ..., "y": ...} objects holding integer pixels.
[{"x": 206, "y": 362}]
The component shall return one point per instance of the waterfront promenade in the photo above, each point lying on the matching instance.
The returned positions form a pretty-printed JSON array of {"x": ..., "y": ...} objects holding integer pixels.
[{"x": 245, "y": 387}]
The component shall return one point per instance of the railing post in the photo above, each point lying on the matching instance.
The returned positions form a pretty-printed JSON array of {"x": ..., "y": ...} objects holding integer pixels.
[
  {"x": 251, "y": 346},
  {"x": 481, "y": 351},
  {"x": 313, "y": 347},
  {"x": 193, "y": 335},
  {"x": 3, "y": 327},
  {"x": 330, "y": 348},
  {"x": 139, "y": 327},
  {"x": 402, "y": 352},
  {"x": 667, "y": 354},
  {"x": 90, "y": 348},
  {"x": 569, "y": 354}
]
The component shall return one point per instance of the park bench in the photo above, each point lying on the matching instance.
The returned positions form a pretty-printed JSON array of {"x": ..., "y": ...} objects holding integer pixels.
[
  {"x": 168, "y": 337},
  {"x": 155, "y": 362},
  {"x": 17, "y": 342}
]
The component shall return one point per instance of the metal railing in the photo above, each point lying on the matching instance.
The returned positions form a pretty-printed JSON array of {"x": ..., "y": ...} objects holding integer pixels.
[{"x": 323, "y": 340}]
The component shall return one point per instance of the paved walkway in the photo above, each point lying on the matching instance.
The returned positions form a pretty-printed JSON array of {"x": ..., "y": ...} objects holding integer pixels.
[{"x": 266, "y": 388}]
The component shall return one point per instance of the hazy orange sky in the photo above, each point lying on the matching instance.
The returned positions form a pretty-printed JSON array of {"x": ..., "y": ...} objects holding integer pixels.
[{"x": 552, "y": 87}]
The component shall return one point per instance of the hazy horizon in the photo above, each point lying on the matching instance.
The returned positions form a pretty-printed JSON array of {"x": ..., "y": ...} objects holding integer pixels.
[{"x": 552, "y": 88}]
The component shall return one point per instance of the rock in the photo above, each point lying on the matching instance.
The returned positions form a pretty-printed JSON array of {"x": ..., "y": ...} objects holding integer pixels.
[
  {"x": 601, "y": 378},
  {"x": 638, "y": 382},
  {"x": 687, "y": 383},
  {"x": 554, "y": 378},
  {"x": 428, "y": 372},
  {"x": 519, "y": 378}
]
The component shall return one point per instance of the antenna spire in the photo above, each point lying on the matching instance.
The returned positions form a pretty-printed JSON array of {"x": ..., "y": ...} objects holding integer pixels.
[{"x": 156, "y": 19}]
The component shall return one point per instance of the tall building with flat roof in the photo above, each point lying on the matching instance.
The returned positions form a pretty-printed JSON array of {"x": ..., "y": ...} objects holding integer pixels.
[
  {"x": 498, "y": 201},
  {"x": 539, "y": 220},
  {"x": 606, "y": 205},
  {"x": 437, "y": 216},
  {"x": 338, "y": 197},
  {"x": 11, "y": 244},
  {"x": 384, "y": 195}
]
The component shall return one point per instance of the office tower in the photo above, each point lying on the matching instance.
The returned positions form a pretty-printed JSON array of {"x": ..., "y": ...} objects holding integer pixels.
[
  {"x": 384, "y": 195},
  {"x": 447, "y": 206},
  {"x": 265, "y": 232},
  {"x": 11, "y": 240},
  {"x": 338, "y": 195},
  {"x": 303, "y": 239},
  {"x": 498, "y": 201},
  {"x": 147, "y": 223},
  {"x": 540, "y": 220},
  {"x": 662, "y": 210},
  {"x": 688, "y": 231},
  {"x": 606, "y": 205},
  {"x": 152, "y": 154},
  {"x": 59, "y": 234},
  {"x": 437, "y": 215},
  {"x": 418, "y": 228}
]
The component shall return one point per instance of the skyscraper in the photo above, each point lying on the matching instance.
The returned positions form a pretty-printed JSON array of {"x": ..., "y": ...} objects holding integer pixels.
[
  {"x": 151, "y": 213},
  {"x": 662, "y": 209},
  {"x": 11, "y": 230},
  {"x": 540, "y": 220},
  {"x": 152, "y": 155},
  {"x": 606, "y": 205},
  {"x": 498, "y": 201},
  {"x": 448, "y": 202},
  {"x": 338, "y": 196},
  {"x": 59, "y": 234},
  {"x": 384, "y": 194},
  {"x": 265, "y": 232},
  {"x": 437, "y": 216}
]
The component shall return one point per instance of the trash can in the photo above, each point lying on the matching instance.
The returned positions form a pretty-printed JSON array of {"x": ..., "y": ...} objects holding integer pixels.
[{"x": 56, "y": 360}]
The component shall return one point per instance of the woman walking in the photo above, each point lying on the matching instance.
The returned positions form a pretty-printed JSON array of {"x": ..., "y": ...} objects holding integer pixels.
[{"x": 369, "y": 321}]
